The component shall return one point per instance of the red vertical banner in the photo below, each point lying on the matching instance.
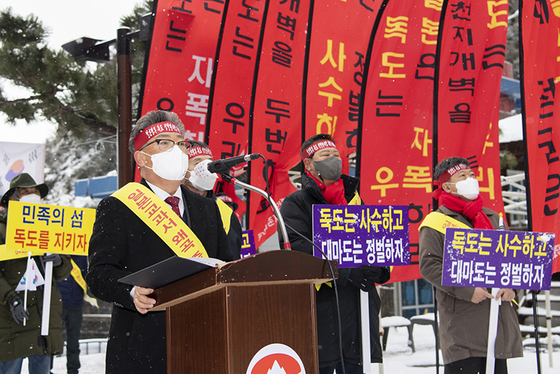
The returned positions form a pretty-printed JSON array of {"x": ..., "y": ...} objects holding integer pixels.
[
  {"x": 277, "y": 114},
  {"x": 181, "y": 59},
  {"x": 395, "y": 148},
  {"x": 472, "y": 56},
  {"x": 335, "y": 70},
  {"x": 228, "y": 128},
  {"x": 230, "y": 101},
  {"x": 540, "y": 69}
]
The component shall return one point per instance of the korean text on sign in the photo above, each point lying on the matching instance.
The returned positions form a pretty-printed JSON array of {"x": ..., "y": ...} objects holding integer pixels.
[
  {"x": 505, "y": 259},
  {"x": 49, "y": 228},
  {"x": 356, "y": 235},
  {"x": 248, "y": 247}
]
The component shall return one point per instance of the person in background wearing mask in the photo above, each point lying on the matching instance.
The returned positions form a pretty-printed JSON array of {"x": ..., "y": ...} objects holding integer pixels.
[
  {"x": 122, "y": 243},
  {"x": 18, "y": 341},
  {"x": 323, "y": 183},
  {"x": 72, "y": 314},
  {"x": 464, "y": 311},
  {"x": 200, "y": 181}
]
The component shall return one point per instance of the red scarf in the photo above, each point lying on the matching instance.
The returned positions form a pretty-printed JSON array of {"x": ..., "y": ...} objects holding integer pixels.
[
  {"x": 471, "y": 209},
  {"x": 334, "y": 193}
]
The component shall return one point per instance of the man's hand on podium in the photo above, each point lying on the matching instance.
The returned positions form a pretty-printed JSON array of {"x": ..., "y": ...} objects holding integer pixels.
[{"x": 142, "y": 302}]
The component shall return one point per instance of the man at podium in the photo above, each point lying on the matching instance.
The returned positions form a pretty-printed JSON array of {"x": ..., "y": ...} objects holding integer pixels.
[
  {"x": 127, "y": 237},
  {"x": 323, "y": 183}
]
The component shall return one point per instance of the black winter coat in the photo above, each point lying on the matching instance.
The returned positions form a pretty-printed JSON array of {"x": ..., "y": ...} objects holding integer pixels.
[
  {"x": 122, "y": 244},
  {"x": 72, "y": 293},
  {"x": 297, "y": 211},
  {"x": 17, "y": 340}
]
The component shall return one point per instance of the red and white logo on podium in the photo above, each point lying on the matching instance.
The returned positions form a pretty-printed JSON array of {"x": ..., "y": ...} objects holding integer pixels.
[{"x": 276, "y": 359}]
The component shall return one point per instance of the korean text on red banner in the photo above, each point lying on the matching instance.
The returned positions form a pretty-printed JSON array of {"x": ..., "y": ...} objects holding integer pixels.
[{"x": 356, "y": 235}]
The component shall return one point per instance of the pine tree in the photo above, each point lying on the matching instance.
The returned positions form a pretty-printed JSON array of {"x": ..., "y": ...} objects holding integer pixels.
[
  {"x": 76, "y": 95},
  {"x": 80, "y": 97}
]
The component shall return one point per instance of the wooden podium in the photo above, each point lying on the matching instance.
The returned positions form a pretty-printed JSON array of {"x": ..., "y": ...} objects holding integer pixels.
[{"x": 218, "y": 319}]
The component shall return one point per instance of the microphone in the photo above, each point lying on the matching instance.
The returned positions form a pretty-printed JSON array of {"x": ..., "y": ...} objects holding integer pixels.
[{"x": 222, "y": 166}]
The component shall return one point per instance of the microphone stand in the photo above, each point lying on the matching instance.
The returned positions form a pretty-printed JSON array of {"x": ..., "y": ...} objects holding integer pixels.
[{"x": 230, "y": 179}]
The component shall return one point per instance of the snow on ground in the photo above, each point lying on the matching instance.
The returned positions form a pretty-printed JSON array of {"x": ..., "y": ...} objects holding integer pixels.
[{"x": 398, "y": 358}]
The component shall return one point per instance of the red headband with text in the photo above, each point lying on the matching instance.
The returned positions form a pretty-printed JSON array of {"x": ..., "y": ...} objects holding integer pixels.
[
  {"x": 153, "y": 130},
  {"x": 199, "y": 151},
  {"x": 444, "y": 177},
  {"x": 309, "y": 151}
]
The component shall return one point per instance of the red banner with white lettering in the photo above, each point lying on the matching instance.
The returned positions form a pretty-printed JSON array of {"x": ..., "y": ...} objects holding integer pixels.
[
  {"x": 335, "y": 71},
  {"x": 540, "y": 70},
  {"x": 277, "y": 111},
  {"x": 395, "y": 149}
]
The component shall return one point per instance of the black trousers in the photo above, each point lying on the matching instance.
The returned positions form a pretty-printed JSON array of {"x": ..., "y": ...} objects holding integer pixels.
[
  {"x": 72, "y": 320},
  {"x": 474, "y": 365},
  {"x": 349, "y": 368}
]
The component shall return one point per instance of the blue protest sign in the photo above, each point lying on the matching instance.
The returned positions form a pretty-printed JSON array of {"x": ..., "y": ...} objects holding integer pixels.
[
  {"x": 495, "y": 258},
  {"x": 356, "y": 235},
  {"x": 248, "y": 244}
]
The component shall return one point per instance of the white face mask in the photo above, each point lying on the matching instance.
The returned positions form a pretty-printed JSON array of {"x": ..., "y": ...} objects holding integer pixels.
[
  {"x": 468, "y": 188},
  {"x": 201, "y": 178},
  {"x": 171, "y": 165},
  {"x": 31, "y": 198}
]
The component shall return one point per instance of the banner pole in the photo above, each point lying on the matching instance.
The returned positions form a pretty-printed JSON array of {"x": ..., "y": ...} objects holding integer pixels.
[
  {"x": 492, "y": 332},
  {"x": 527, "y": 168},
  {"x": 380, "y": 332},
  {"x": 549, "y": 328},
  {"x": 366, "y": 349},
  {"x": 47, "y": 298},
  {"x": 26, "y": 284},
  {"x": 536, "y": 330}
]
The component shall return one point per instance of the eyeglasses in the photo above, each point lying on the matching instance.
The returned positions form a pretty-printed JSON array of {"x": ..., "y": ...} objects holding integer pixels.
[{"x": 166, "y": 144}]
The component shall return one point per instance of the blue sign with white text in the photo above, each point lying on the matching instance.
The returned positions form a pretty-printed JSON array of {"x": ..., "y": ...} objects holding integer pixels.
[
  {"x": 356, "y": 235},
  {"x": 497, "y": 258}
]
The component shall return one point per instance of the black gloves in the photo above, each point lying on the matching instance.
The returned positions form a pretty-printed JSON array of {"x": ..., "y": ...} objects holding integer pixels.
[
  {"x": 17, "y": 309},
  {"x": 365, "y": 277},
  {"x": 54, "y": 257}
]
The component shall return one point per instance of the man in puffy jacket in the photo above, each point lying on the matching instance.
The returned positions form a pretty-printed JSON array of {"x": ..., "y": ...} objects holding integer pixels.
[
  {"x": 323, "y": 183},
  {"x": 18, "y": 341}
]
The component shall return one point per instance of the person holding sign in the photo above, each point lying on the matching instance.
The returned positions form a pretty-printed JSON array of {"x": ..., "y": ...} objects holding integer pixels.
[
  {"x": 323, "y": 183},
  {"x": 464, "y": 311},
  {"x": 20, "y": 316},
  {"x": 201, "y": 181},
  {"x": 143, "y": 224}
]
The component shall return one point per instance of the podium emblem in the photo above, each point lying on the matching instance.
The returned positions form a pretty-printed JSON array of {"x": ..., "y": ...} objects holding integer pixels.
[{"x": 276, "y": 359}]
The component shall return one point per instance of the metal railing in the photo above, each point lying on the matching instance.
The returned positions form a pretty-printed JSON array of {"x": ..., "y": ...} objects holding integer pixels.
[
  {"x": 96, "y": 345},
  {"x": 515, "y": 199}
]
